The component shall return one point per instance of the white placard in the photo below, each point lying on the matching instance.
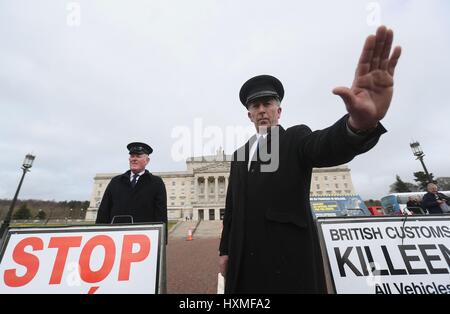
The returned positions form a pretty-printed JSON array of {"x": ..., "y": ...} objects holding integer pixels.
[
  {"x": 82, "y": 260},
  {"x": 388, "y": 255}
]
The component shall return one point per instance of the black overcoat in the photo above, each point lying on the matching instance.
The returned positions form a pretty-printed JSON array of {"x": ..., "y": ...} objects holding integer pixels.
[
  {"x": 429, "y": 201},
  {"x": 269, "y": 232},
  {"x": 146, "y": 202}
]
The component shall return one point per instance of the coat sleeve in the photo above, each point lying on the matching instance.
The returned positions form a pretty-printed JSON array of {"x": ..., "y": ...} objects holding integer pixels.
[
  {"x": 161, "y": 206},
  {"x": 104, "y": 211},
  {"x": 223, "y": 248},
  {"x": 444, "y": 197},
  {"x": 334, "y": 145}
]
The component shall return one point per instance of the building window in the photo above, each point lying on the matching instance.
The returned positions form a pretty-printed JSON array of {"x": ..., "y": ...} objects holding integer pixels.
[
  {"x": 337, "y": 186},
  {"x": 319, "y": 192},
  {"x": 345, "y": 185},
  {"x": 329, "y": 192},
  {"x": 338, "y": 191},
  {"x": 173, "y": 182},
  {"x": 182, "y": 183},
  {"x": 343, "y": 177},
  {"x": 100, "y": 185},
  {"x": 325, "y": 178},
  {"x": 182, "y": 203},
  {"x": 334, "y": 178},
  {"x": 347, "y": 191},
  {"x": 173, "y": 203},
  {"x": 316, "y": 178},
  {"x": 318, "y": 186}
]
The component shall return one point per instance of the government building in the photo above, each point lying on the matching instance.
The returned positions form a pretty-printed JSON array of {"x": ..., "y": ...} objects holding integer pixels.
[{"x": 199, "y": 192}]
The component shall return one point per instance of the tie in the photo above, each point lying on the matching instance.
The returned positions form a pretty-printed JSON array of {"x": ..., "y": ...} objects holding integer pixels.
[
  {"x": 255, "y": 156},
  {"x": 134, "y": 181},
  {"x": 261, "y": 142}
]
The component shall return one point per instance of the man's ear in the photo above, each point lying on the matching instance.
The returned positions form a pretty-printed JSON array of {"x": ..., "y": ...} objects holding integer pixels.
[{"x": 250, "y": 116}]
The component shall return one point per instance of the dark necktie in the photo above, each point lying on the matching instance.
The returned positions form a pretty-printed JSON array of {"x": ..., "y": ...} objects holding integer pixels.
[
  {"x": 255, "y": 157},
  {"x": 261, "y": 142},
  {"x": 134, "y": 181}
]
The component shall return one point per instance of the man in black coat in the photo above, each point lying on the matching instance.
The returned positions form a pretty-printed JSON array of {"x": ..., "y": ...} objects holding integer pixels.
[
  {"x": 269, "y": 240},
  {"x": 135, "y": 196},
  {"x": 433, "y": 200}
]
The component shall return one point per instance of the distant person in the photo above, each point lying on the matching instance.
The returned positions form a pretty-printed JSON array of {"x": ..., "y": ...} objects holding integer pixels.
[
  {"x": 434, "y": 201},
  {"x": 269, "y": 241},
  {"x": 135, "y": 196},
  {"x": 414, "y": 205}
]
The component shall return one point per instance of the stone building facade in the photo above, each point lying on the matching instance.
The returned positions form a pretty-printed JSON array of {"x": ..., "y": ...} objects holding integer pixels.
[{"x": 199, "y": 192}]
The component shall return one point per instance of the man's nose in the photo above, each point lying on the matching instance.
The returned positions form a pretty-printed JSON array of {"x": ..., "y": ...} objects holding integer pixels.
[{"x": 261, "y": 108}]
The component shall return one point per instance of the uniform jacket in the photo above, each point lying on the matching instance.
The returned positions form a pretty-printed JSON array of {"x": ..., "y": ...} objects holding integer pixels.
[
  {"x": 268, "y": 230},
  {"x": 429, "y": 201},
  {"x": 146, "y": 202}
]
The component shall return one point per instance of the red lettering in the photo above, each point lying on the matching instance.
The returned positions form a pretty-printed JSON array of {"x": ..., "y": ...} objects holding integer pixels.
[
  {"x": 86, "y": 273},
  {"x": 129, "y": 257},
  {"x": 92, "y": 290},
  {"x": 30, "y": 261},
  {"x": 63, "y": 244}
]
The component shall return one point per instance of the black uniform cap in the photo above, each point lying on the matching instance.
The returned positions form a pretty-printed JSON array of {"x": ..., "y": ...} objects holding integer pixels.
[
  {"x": 139, "y": 148},
  {"x": 261, "y": 86}
]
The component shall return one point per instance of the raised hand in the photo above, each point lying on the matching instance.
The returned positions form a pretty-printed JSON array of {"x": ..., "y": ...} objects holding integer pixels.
[{"x": 368, "y": 99}]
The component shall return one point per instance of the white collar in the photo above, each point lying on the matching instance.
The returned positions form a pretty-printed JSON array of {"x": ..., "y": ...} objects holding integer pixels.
[
  {"x": 258, "y": 135},
  {"x": 140, "y": 173}
]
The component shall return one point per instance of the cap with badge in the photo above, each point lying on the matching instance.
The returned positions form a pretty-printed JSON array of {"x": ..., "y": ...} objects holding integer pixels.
[
  {"x": 139, "y": 148},
  {"x": 261, "y": 86}
]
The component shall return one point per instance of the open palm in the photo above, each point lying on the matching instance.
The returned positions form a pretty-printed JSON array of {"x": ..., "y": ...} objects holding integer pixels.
[{"x": 368, "y": 99}]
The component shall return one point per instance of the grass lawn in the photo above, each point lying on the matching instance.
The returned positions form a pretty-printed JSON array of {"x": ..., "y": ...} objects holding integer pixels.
[{"x": 171, "y": 223}]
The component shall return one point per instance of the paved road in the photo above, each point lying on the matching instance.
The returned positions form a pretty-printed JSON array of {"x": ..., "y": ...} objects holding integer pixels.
[
  {"x": 182, "y": 228},
  {"x": 208, "y": 229},
  {"x": 192, "y": 266}
]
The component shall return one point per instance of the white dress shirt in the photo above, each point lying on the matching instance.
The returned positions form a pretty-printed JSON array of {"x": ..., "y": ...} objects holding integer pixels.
[{"x": 139, "y": 175}]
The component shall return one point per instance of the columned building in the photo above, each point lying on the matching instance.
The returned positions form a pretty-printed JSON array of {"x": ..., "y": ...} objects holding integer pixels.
[{"x": 199, "y": 192}]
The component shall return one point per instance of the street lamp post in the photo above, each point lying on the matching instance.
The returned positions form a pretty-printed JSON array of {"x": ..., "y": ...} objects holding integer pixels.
[
  {"x": 27, "y": 164},
  {"x": 418, "y": 152}
]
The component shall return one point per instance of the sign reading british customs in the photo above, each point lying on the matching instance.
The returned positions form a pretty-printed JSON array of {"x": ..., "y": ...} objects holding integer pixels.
[
  {"x": 387, "y": 255},
  {"x": 93, "y": 259}
]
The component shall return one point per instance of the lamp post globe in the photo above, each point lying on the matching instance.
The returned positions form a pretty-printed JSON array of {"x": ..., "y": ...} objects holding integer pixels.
[{"x": 418, "y": 152}]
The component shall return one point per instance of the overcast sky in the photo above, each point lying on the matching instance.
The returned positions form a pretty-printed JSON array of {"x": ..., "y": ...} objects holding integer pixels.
[{"x": 81, "y": 79}]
